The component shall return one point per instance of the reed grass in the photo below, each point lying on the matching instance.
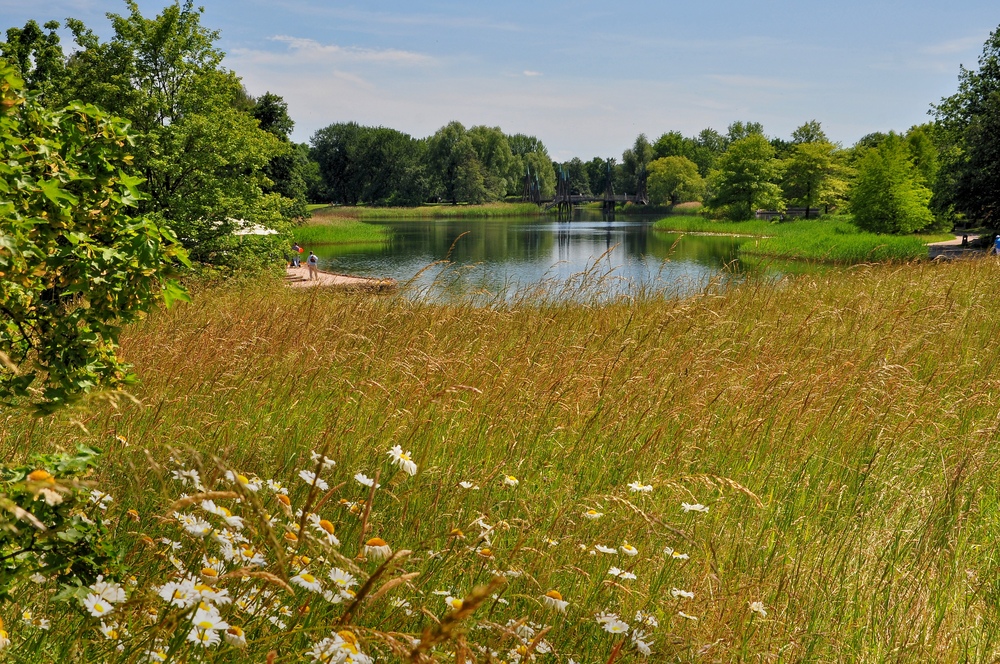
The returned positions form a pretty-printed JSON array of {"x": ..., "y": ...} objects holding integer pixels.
[{"x": 841, "y": 427}]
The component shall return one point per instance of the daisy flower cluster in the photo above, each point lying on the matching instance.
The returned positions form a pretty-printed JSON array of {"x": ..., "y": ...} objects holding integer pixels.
[{"x": 308, "y": 567}]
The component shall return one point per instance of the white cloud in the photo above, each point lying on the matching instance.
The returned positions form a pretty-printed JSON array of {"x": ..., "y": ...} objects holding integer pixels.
[
  {"x": 528, "y": 72},
  {"x": 301, "y": 50},
  {"x": 758, "y": 82}
]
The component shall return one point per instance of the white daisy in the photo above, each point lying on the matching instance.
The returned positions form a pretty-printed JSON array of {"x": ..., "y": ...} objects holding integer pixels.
[
  {"x": 553, "y": 599},
  {"x": 403, "y": 460},
  {"x": 678, "y": 593},
  {"x": 364, "y": 480},
  {"x": 593, "y": 515},
  {"x": 758, "y": 607},
  {"x": 306, "y": 580},
  {"x": 639, "y": 487},
  {"x": 605, "y": 549},
  {"x": 310, "y": 478},
  {"x": 696, "y": 507}
]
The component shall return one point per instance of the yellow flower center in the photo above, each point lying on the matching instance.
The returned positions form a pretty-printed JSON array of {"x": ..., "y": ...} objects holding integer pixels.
[
  {"x": 326, "y": 525},
  {"x": 284, "y": 500},
  {"x": 554, "y": 594},
  {"x": 208, "y": 571},
  {"x": 291, "y": 537},
  {"x": 39, "y": 476},
  {"x": 376, "y": 541},
  {"x": 308, "y": 578},
  {"x": 206, "y": 624},
  {"x": 235, "y": 631}
]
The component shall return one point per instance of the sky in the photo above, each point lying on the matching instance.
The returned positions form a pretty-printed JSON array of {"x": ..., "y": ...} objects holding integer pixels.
[{"x": 587, "y": 77}]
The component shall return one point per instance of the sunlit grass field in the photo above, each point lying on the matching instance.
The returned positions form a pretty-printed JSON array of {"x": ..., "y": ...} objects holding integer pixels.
[
  {"x": 832, "y": 239},
  {"x": 834, "y": 438}
]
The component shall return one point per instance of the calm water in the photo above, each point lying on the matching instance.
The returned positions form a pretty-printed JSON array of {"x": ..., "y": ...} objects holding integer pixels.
[{"x": 583, "y": 258}]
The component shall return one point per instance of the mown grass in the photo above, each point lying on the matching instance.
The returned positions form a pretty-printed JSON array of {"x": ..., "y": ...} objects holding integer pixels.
[
  {"x": 831, "y": 239},
  {"x": 841, "y": 427}
]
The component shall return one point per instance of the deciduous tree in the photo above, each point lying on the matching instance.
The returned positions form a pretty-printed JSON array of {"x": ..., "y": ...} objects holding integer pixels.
[
  {"x": 674, "y": 180},
  {"x": 746, "y": 178},
  {"x": 888, "y": 195}
]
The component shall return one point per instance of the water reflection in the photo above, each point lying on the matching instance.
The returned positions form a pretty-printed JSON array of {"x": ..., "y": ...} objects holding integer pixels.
[{"x": 583, "y": 258}]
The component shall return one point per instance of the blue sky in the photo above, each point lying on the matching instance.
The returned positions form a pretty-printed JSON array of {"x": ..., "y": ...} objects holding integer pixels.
[{"x": 586, "y": 77}]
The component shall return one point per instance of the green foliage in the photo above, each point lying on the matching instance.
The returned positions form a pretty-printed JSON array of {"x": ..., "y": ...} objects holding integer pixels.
[
  {"x": 634, "y": 162},
  {"x": 579, "y": 179},
  {"x": 746, "y": 178},
  {"x": 496, "y": 161},
  {"x": 810, "y": 132},
  {"x": 531, "y": 155},
  {"x": 75, "y": 264},
  {"x": 201, "y": 151},
  {"x": 39, "y": 60},
  {"x": 888, "y": 195},
  {"x": 44, "y": 524},
  {"x": 814, "y": 175},
  {"x": 674, "y": 180}
]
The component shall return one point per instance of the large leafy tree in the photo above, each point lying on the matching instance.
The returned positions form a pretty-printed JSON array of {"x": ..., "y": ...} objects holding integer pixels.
[
  {"x": 76, "y": 260},
  {"x": 38, "y": 58},
  {"x": 496, "y": 160},
  {"x": 970, "y": 124},
  {"x": 454, "y": 162},
  {"x": 888, "y": 195},
  {"x": 285, "y": 171},
  {"x": 674, "y": 180},
  {"x": 530, "y": 154},
  {"x": 746, "y": 178},
  {"x": 201, "y": 151},
  {"x": 814, "y": 175}
]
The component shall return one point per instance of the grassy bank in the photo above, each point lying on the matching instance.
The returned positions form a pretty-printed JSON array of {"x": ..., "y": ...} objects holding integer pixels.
[
  {"x": 327, "y": 226},
  {"x": 832, "y": 239},
  {"x": 841, "y": 430}
]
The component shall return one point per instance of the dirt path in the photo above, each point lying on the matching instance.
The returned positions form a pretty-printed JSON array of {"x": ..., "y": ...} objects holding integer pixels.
[{"x": 298, "y": 277}]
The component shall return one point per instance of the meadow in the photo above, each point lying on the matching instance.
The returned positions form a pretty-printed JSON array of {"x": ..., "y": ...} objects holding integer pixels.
[
  {"x": 834, "y": 239},
  {"x": 794, "y": 471}
]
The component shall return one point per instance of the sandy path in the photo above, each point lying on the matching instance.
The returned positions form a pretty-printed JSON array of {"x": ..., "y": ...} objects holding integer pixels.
[{"x": 298, "y": 277}]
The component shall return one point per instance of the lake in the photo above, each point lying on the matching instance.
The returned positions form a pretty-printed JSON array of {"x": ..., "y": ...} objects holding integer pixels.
[{"x": 505, "y": 258}]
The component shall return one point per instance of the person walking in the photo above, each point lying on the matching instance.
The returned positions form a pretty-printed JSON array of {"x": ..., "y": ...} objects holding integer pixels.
[
  {"x": 313, "y": 263},
  {"x": 996, "y": 245},
  {"x": 296, "y": 250}
]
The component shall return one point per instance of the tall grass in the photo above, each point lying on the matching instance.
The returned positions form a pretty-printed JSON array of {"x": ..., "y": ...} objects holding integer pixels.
[
  {"x": 841, "y": 428},
  {"x": 832, "y": 239}
]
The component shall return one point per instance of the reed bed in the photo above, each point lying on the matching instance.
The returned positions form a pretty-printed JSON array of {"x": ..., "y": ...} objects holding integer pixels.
[{"x": 804, "y": 470}]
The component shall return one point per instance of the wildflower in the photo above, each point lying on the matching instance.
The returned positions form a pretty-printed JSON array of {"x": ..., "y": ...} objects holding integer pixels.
[
  {"x": 313, "y": 479},
  {"x": 324, "y": 462},
  {"x": 235, "y": 637},
  {"x": 553, "y": 599},
  {"x": 51, "y": 498},
  {"x": 454, "y": 603},
  {"x": 218, "y": 510},
  {"x": 189, "y": 477},
  {"x": 306, "y": 580},
  {"x": 194, "y": 525},
  {"x": 108, "y": 590},
  {"x": 251, "y": 485},
  {"x": 605, "y": 549},
  {"x": 616, "y": 626},
  {"x": 614, "y": 571},
  {"x": 696, "y": 507},
  {"x": 593, "y": 514},
  {"x": 4, "y": 638},
  {"x": 277, "y": 487},
  {"x": 485, "y": 552},
  {"x": 689, "y": 617},
  {"x": 604, "y": 618},
  {"x": 627, "y": 576},
  {"x": 646, "y": 618},
  {"x": 403, "y": 461},
  {"x": 468, "y": 485},
  {"x": 676, "y": 555},
  {"x": 38, "y": 578},
  {"x": 341, "y": 578},
  {"x": 510, "y": 480},
  {"x": 30, "y": 619},
  {"x": 376, "y": 549},
  {"x": 110, "y": 631},
  {"x": 204, "y": 637},
  {"x": 179, "y": 593},
  {"x": 157, "y": 654},
  {"x": 97, "y": 605},
  {"x": 41, "y": 476},
  {"x": 552, "y": 542},
  {"x": 628, "y": 549},
  {"x": 152, "y": 615},
  {"x": 364, "y": 480},
  {"x": 639, "y": 487},
  {"x": 677, "y": 593},
  {"x": 644, "y": 646},
  {"x": 758, "y": 607},
  {"x": 290, "y": 537},
  {"x": 208, "y": 619},
  {"x": 100, "y": 499}
]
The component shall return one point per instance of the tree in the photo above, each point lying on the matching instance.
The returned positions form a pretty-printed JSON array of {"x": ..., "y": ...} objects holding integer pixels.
[
  {"x": 496, "y": 160},
  {"x": 76, "y": 263},
  {"x": 745, "y": 178},
  {"x": 202, "y": 154},
  {"x": 969, "y": 122},
  {"x": 888, "y": 195},
  {"x": 454, "y": 162},
  {"x": 810, "y": 132},
  {"x": 739, "y": 130},
  {"x": 38, "y": 58},
  {"x": 597, "y": 174},
  {"x": 579, "y": 180},
  {"x": 814, "y": 175},
  {"x": 674, "y": 180},
  {"x": 634, "y": 162},
  {"x": 530, "y": 153},
  {"x": 285, "y": 171},
  {"x": 709, "y": 146}
]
